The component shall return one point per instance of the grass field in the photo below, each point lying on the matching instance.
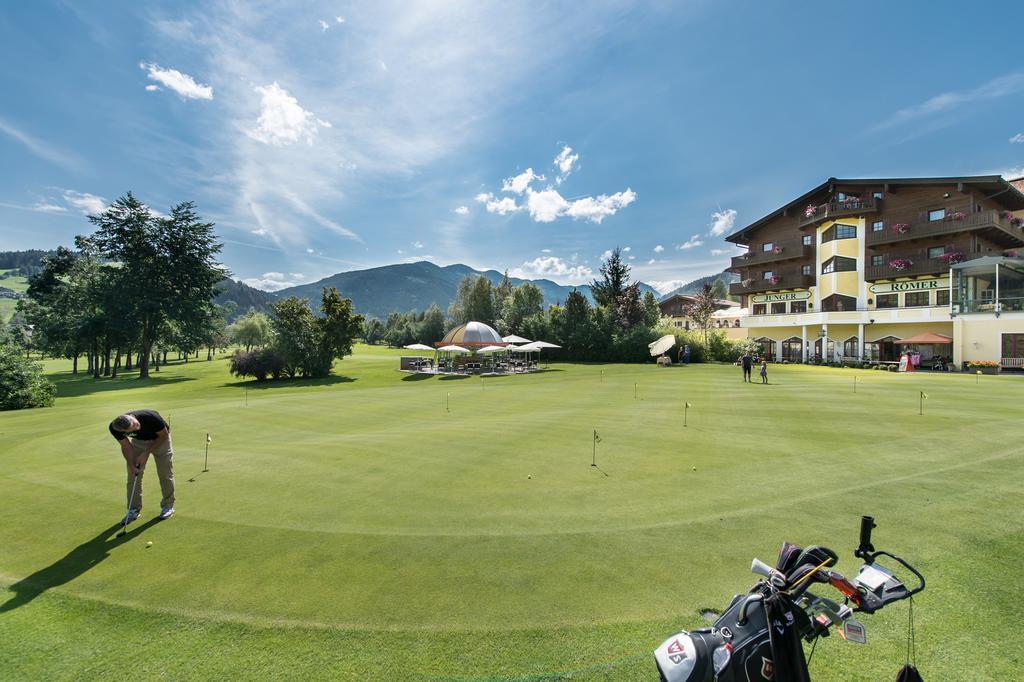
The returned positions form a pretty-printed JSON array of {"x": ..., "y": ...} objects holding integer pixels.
[
  {"x": 7, "y": 305},
  {"x": 354, "y": 528}
]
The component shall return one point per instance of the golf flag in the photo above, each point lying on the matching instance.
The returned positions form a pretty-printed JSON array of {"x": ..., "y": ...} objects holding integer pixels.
[
  {"x": 208, "y": 439},
  {"x": 688, "y": 405},
  {"x": 597, "y": 438},
  {"x": 924, "y": 395}
]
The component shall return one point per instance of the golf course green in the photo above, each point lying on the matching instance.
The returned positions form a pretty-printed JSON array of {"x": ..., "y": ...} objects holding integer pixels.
[{"x": 379, "y": 525}]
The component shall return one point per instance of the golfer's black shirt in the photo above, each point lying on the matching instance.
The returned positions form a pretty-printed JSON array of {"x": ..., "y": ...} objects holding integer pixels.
[
  {"x": 747, "y": 362},
  {"x": 150, "y": 422}
]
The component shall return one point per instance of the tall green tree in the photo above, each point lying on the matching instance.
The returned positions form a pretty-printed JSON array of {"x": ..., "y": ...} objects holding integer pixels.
[
  {"x": 309, "y": 344},
  {"x": 719, "y": 289},
  {"x": 502, "y": 292},
  {"x": 630, "y": 310},
  {"x": 576, "y": 328},
  {"x": 252, "y": 330},
  {"x": 652, "y": 313},
  {"x": 22, "y": 384},
  {"x": 524, "y": 301},
  {"x": 701, "y": 309},
  {"x": 474, "y": 301},
  {"x": 613, "y": 281},
  {"x": 432, "y": 328},
  {"x": 168, "y": 267}
]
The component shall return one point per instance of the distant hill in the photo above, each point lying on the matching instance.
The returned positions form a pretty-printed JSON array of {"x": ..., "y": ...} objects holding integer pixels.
[
  {"x": 415, "y": 286},
  {"x": 244, "y": 297},
  {"x": 698, "y": 284}
]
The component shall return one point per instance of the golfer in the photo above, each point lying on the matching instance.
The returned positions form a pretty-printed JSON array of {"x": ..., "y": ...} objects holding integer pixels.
[
  {"x": 748, "y": 365},
  {"x": 142, "y": 433}
]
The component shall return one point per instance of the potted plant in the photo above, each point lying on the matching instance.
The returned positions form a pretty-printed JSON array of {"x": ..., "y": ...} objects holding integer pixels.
[
  {"x": 776, "y": 250},
  {"x": 810, "y": 211},
  {"x": 747, "y": 283},
  {"x": 958, "y": 215},
  {"x": 1012, "y": 254},
  {"x": 984, "y": 366},
  {"x": 774, "y": 279},
  {"x": 901, "y": 228},
  {"x": 901, "y": 264},
  {"x": 952, "y": 257}
]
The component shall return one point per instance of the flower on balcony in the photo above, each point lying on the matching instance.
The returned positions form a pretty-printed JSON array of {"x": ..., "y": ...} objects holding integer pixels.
[
  {"x": 901, "y": 264},
  {"x": 810, "y": 211},
  {"x": 952, "y": 257},
  {"x": 958, "y": 215},
  {"x": 1006, "y": 215},
  {"x": 901, "y": 228},
  {"x": 777, "y": 250},
  {"x": 774, "y": 279},
  {"x": 1012, "y": 254},
  {"x": 747, "y": 283}
]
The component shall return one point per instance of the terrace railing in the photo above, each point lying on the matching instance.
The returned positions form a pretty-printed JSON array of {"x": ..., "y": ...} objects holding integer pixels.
[
  {"x": 994, "y": 221},
  {"x": 838, "y": 209},
  {"x": 782, "y": 251},
  {"x": 781, "y": 282}
]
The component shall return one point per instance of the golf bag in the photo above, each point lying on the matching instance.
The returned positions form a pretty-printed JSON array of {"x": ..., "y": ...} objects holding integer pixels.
[{"x": 759, "y": 637}]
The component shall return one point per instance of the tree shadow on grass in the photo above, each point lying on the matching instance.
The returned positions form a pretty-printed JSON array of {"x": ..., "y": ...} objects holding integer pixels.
[
  {"x": 453, "y": 377},
  {"x": 284, "y": 383},
  {"x": 417, "y": 377},
  {"x": 72, "y": 386},
  {"x": 71, "y": 565}
]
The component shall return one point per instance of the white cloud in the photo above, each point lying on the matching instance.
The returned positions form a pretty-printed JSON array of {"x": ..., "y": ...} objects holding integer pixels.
[
  {"x": 632, "y": 258},
  {"x": 947, "y": 101},
  {"x": 46, "y": 207},
  {"x": 275, "y": 281},
  {"x": 323, "y": 25},
  {"x": 719, "y": 252},
  {"x": 659, "y": 248},
  {"x": 417, "y": 244},
  {"x": 282, "y": 121},
  {"x": 483, "y": 197},
  {"x": 665, "y": 286},
  {"x": 564, "y": 161},
  {"x": 502, "y": 206},
  {"x": 606, "y": 255},
  {"x": 520, "y": 183},
  {"x": 340, "y": 20},
  {"x": 41, "y": 149},
  {"x": 545, "y": 250},
  {"x": 179, "y": 82},
  {"x": 88, "y": 204},
  {"x": 383, "y": 66},
  {"x": 627, "y": 249},
  {"x": 545, "y": 206},
  {"x": 652, "y": 261},
  {"x": 691, "y": 243},
  {"x": 597, "y": 209},
  {"x": 461, "y": 210},
  {"x": 1012, "y": 173},
  {"x": 722, "y": 222},
  {"x": 310, "y": 251},
  {"x": 1017, "y": 139},
  {"x": 552, "y": 266},
  {"x": 152, "y": 88}
]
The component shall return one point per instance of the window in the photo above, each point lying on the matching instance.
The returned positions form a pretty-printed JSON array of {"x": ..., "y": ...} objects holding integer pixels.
[
  {"x": 839, "y": 264},
  {"x": 887, "y": 301},
  {"x": 878, "y": 226},
  {"x": 846, "y": 231},
  {"x": 760, "y": 308},
  {"x": 936, "y": 214},
  {"x": 840, "y": 196},
  {"x": 942, "y": 297},
  {"x": 878, "y": 195},
  {"x": 798, "y": 307},
  {"x": 767, "y": 274},
  {"x": 915, "y": 298},
  {"x": 850, "y": 347},
  {"x": 838, "y": 303},
  {"x": 936, "y": 251},
  {"x": 807, "y": 270},
  {"x": 778, "y": 308},
  {"x": 878, "y": 260},
  {"x": 807, "y": 240},
  {"x": 767, "y": 246}
]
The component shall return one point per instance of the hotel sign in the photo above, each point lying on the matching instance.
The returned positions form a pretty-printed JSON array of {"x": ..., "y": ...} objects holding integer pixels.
[
  {"x": 775, "y": 298},
  {"x": 919, "y": 285}
]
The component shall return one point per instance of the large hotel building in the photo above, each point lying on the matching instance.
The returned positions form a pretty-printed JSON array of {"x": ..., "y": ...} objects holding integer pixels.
[{"x": 867, "y": 269}]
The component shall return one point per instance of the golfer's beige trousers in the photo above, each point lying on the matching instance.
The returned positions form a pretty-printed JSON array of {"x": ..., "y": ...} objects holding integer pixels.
[{"x": 164, "y": 470}]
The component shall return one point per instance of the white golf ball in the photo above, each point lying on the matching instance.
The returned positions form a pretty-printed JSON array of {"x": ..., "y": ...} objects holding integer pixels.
[
  {"x": 694, "y": 468},
  {"x": 529, "y": 476},
  {"x": 149, "y": 544}
]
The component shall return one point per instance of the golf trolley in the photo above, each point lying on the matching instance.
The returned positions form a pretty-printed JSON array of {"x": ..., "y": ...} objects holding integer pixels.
[{"x": 759, "y": 637}]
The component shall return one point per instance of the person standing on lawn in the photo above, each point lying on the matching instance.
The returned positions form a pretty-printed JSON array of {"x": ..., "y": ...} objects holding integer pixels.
[
  {"x": 764, "y": 371},
  {"x": 142, "y": 433},
  {"x": 748, "y": 364},
  {"x": 686, "y": 354}
]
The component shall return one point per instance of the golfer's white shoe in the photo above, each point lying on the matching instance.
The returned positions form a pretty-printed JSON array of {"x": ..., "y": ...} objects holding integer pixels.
[
  {"x": 129, "y": 517},
  {"x": 166, "y": 513}
]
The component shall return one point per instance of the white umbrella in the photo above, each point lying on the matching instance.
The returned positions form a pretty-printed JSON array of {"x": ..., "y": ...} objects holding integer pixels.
[
  {"x": 545, "y": 344},
  {"x": 418, "y": 346},
  {"x": 489, "y": 349},
  {"x": 512, "y": 338},
  {"x": 453, "y": 349},
  {"x": 662, "y": 345}
]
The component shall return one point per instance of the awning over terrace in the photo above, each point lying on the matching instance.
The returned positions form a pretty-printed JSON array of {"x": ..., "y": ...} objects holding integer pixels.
[{"x": 924, "y": 339}]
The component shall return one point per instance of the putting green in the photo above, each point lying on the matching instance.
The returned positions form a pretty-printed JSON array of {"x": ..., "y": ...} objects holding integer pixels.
[{"x": 378, "y": 525}]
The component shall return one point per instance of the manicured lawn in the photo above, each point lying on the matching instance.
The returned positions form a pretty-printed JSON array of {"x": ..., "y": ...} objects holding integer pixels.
[
  {"x": 353, "y": 528},
  {"x": 7, "y": 305}
]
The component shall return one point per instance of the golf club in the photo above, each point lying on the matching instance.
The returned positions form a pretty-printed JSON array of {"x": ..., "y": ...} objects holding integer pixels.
[{"x": 131, "y": 499}]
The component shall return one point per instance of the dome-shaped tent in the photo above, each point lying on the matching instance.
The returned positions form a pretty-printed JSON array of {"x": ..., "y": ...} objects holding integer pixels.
[{"x": 472, "y": 335}]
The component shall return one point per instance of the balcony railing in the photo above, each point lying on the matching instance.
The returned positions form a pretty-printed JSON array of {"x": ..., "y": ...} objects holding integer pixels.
[
  {"x": 999, "y": 225},
  {"x": 784, "y": 281},
  {"x": 921, "y": 264},
  {"x": 781, "y": 252},
  {"x": 1006, "y": 304},
  {"x": 838, "y": 209}
]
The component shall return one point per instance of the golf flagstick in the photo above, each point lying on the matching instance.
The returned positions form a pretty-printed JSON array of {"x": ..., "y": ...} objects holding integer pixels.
[
  {"x": 686, "y": 409},
  {"x": 920, "y": 407},
  {"x": 206, "y": 460},
  {"x": 131, "y": 498},
  {"x": 597, "y": 439}
]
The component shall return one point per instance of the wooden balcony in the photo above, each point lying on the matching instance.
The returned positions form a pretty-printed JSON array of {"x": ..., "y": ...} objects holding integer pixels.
[
  {"x": 922, "y": 264},
  {"x": 785, "y": 281},
  {"x": 838, "y": 209},
  {"x": 785, "y": 251},
  {"x": 996, "y": 226}
]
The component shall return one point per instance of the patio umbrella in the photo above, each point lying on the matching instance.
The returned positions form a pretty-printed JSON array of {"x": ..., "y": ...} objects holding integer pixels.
[
  {"x": 512, "y": 338},
  {"x": 662, "y": 345},
  {"x": 545, "y": 344},
  {"x": 454, "y": 349},
  {"x": 486, "y": 350},
  {"x": 418, "y": 346}
]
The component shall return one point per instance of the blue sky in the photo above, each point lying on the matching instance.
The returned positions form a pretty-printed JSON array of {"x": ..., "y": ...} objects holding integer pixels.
[{"x": 532, "y": 136}]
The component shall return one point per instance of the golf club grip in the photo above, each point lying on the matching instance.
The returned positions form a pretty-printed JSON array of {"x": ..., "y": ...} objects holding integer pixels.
[{"x": 867, "y": 523}]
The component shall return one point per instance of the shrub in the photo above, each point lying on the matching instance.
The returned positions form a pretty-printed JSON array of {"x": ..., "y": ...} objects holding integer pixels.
[
  {"x": 982, "y": 364},
  {"x": 259, "y": 364},
  {"x": 22, "y": 384}
]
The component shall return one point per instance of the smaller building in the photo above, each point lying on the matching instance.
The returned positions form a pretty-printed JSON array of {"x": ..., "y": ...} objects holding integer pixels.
[{"x": 726, "y": 318}]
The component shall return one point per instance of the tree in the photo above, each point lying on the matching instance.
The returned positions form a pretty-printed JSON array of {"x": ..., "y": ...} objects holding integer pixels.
[
  {"x": 652, "y": 313},
  {"x": 474, "y": 301},
  {"x": 630, "y": 310},
  {"x": 432, "y": 327},
  {"x": 614, "y": 280},
  {"x": 309, "y": 344},
  {"x": 576, "y": 330},
  {"x": 22, "y": 384},
  {"x": 719, "y": 289},
  {"x": 525, "y": 301},
  {"x": 252, "y": 330},
  {"x": 167, "y": 267},
  {"x": 702, "y": 308},
  {"x": 373, "y": 331},
  {"x": 502, "y": 292}
]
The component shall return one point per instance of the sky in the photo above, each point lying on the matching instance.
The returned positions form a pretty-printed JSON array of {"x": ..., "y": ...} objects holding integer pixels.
[{"x": 528, "y": 136}]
